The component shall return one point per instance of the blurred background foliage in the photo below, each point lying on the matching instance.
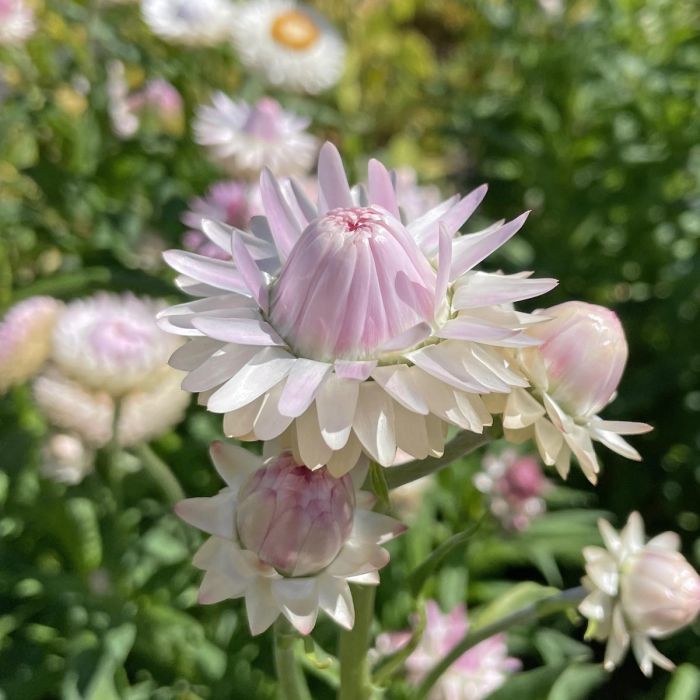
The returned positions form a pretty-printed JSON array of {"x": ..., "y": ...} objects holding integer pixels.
[{"x": 586, "y": 112}]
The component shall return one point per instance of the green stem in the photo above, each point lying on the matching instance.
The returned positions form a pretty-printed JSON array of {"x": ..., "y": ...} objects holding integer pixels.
[
  {"x": 556, "y": 603},
  {"x": 460, "y": 446},
  {"x": 292, "y": 683},
  {"x": 160, "y": 472},
  {"x": 355, "y": 681}
]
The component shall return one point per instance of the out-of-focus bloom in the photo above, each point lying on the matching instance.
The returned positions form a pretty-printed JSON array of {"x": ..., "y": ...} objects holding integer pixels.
[
  {"x": 144, "y": 413},
  {"x": 190, "y": 22},
  {"x": 414, "y": 199},
  {"x": 157, "y": 103},
  {"x": 341, "y": 329},
  {"x": 16, "y": 21},
  {"x": 475, "y": 675},
  {"x": 25, "y": 339},
  {"x": 287, "y": 539},
  {"x": 553, "y": 8},
  {"x": 514, "y": 485},
  {"x": 111, "y": 343},
  {"x": 290, "y": 44},
  {"x": 66, "y": 459},
  {"x": 246, "y": 138},
  {"x": 574, "y": 373},
  {"x": 638, "y": 591}
]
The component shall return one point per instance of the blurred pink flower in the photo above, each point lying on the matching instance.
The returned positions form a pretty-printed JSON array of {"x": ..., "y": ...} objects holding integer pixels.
[
  {"x": 474, "y": 676},
  {"x": 65, "y": 458},
  {"x": 189, "y": 22},
  {"x": 16, "y": 21}
]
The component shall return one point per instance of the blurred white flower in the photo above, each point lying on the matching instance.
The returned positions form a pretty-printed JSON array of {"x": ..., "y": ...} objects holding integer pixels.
[
  {"x": 246, "y": 138},
  {"x": 573, "y": 374},
  {"x": 189, "y": 22},
  {"x": 65, "y": 459},
  {"x": 414, "y": 199},
  {"x": 25, "y": 339},
  {"x": 638, "y": 591},
  {"x": 474, "y": 676},
  {"x": 111, "y": 343},
  {"x": 16, "y": 21},
  {"x": 290, "y": 44},
  {"x": 287, "y": 539},
  {"x": 514, "y": 485}
]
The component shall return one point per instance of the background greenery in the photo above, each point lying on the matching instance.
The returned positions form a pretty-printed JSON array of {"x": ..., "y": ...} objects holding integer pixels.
[{"x": 590, "y": 117}]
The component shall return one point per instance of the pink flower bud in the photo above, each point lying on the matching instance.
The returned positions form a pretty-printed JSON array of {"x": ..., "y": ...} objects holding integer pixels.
[
  {"x": 660, "y": 591},
  {"x": 355, "y": 280},
  {"x": 523, "y": 479},
  {"x": 584, "y": 353},
  {"x": 293, "y": 518}
]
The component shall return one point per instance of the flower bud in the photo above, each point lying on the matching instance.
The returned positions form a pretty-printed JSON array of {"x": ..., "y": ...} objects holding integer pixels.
[
  {"x": 523, "y": 479},
  {"x": 293, "y": 518},
  {"x": 355, "y": 280},
  {"x": 660, "y": 591},
  {"x": 584, "y": 352}
]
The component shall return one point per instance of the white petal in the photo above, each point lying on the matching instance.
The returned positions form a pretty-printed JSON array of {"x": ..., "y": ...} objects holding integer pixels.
[
  {"x": 549, "y": 441},
  {"x": 216, "y": 587},
  {"x": 374, "y": 528},
  {"x": 233, "y": 462},
  {"x": 374, "y": 423},
  {"x": 219, "y": 368},
  {"x": 335, "y": 599},
  {"x": 381, "y": 189},
  {"x": 314, "y": 452},
  {"x": 345, "y": 459},
  {"x": 398, "y": 382},
  {"x": 283, "y": 224},
  {"x": 443, "y": 269},
  {"x": 261, "y": 606},
  {"x": 333, "y": 182},
  {"x": 195, "y": 351},
  {"x": 215, "y": 515},
  {"x": 239, "y": 423},
  {"x": 522, "y": 410},
  {"x": 269, "y": 422},
  {"x": 250, "y": 272},
  {"x": 357, "y": 370},
  {"x": 243, "y": 331},
  {"x": 411, "y": 433},
  {"x": 303, "y": 382},
  {"x": 336, "y": 403},
  {"x": 220, "y": 274},
  {"x": 299, "y": 600},
  {"x": 485, "y": 289}
]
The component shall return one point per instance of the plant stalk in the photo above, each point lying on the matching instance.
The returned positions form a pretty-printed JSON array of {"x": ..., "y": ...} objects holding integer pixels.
[
  {"x": 292, "y": 683},
  {"x": 160, "y": 473}
]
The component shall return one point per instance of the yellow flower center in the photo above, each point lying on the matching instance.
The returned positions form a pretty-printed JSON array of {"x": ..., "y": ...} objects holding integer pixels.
[{"x": 295, "y": 30}]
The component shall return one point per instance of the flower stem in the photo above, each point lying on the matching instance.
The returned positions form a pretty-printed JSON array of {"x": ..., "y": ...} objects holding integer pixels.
[
  {"x": 160, "y": 472},
  {"x": 555, "y": 603},
  {"x": 460, "y": 446},
  {"x": 355, "y": 682},
  {"x": 291, "y": 679}
]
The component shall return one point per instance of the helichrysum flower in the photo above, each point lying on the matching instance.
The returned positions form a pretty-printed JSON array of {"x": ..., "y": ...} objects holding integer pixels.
[
  {"x": 515, "y": 485},
  {"x": 341, "y": 329},
  {"x": 25, "y": 339},
  {"x": 65, "y": 459},
  {"x": 638, "y": 591},
  {"x": 111, "y": 343},
  {"x": 290, "y": 44},
  {"x": 245, "y": 138},
  {"x": 474, "y": 676},
  {"x": 16, "y": 21},
  {"x": 287, "y": 539},
  {"x": 574, "y": 374},
  {"x": 189, "y": 22}
]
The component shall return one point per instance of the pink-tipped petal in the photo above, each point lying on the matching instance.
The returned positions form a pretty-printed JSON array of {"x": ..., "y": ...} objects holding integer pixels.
[
  {"x": 332, "y": 179},
  {"x": 381, "y": 189},
  {"x": 253, "y": 277}
]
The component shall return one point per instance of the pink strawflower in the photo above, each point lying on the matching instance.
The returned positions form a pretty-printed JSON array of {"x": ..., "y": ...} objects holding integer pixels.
[
  {"x": 639, "y": 591},
  {"x": 340, "y": 329},
  {"x": 16, "y": 21},
  {"x": 514, "y": 485},
  {"x": 474, "y": 676},
  {"x": 287, "y": 539},
  {"x": 25, "y": 339},
  {"x": 245, "y": 138}
]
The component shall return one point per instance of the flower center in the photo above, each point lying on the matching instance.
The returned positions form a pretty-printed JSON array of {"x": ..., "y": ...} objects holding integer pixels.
[
  {"x": 118, "y": 341},
  {"x": 295, "y": 30}
]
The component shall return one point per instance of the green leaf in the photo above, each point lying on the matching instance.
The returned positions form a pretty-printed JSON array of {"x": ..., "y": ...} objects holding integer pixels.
[
  {"x": 685, "y": 683},
  {"x": 377, "y": 480},
  {"x": 392, "y": 664},
  {"x": 518, "y": 597},
  {"x": 117, "y": 645},
  {"x": 577, "y": 682},
  {"x": 530, "y": 685}
]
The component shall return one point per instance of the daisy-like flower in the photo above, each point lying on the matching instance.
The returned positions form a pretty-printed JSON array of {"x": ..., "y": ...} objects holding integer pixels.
[
  {"x": 246, "y": 138},
  {"x": 111, "y": 343},
  {"x": 474, "y": 676},
  {"x": 574, "y": 374},
  {"x": 16, "y": 21},
  {"x": 25, "y": 339},
  {"x": 65, "y": 459},
  {"x": 514, "y": 485},
  {"x": 340, "y": 329},
  {"x": 189, "y": 22},
  {"x": 287, "y": 539},
  {"x": 289, "y": 44},
  {"x": 638, "y": 591}
]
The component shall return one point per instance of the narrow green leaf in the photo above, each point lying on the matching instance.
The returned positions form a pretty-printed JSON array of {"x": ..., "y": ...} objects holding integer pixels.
[
  {"x": 517, "y": 597},
  {"x": 685, "y": 683}
]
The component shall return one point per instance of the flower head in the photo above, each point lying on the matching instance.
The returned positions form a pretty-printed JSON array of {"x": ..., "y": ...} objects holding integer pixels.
[
  {"x": 246, "y": 138},
  {"x": 65, "y": 459},
  {"x": 515, "y": 485},
  {"x": 16, "y": 21},
  {"x": 638, "y": 591},
  {"x": 287, "y": 539},
  {"x": 474, "y": 676},
  {"x": 290, "y": 44},
  {"x": 25, "y": 339},
  {"x": 342, "y": 329},
  {"x": 189, "y": 22},
  {"x": 574, "y": 373}
]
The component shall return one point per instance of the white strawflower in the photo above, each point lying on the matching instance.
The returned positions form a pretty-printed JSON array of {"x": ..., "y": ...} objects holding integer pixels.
[
  {"x": 25, "y": 339},
  {"x": 290, "y": 44},
  {"x": 111, "y": 342},
  {"x": 287, "y": 539},
  {"x": 16, "y": 21},
  {"x": 65, "y": 459},
  {"x": 638, "y": 591},
  {"x": 245, "y": 138},
  {"x": 189, "y": 22}
]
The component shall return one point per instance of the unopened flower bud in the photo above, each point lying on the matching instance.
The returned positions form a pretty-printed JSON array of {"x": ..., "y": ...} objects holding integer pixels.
[
  {"x": 584, "y": 352},
  {"x": 293, "y": 518}
]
